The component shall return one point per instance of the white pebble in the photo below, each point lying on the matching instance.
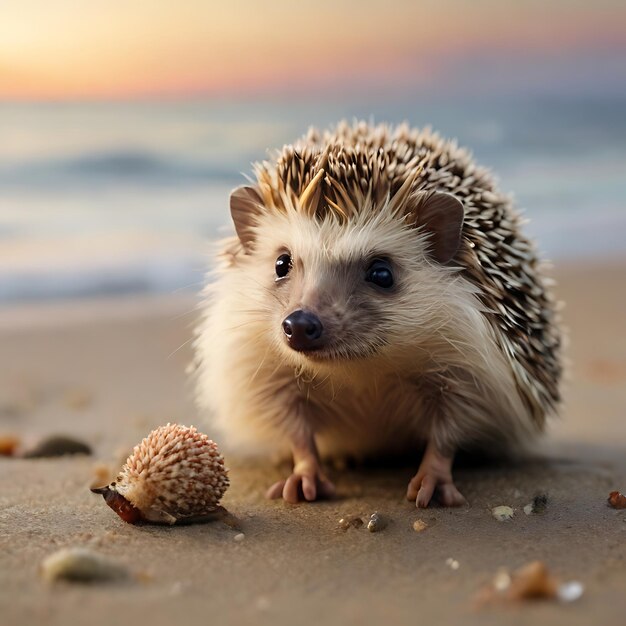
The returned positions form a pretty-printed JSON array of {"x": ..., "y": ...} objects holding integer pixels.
[
  {"x": 239, "y": 537},
  {"x": 453, "y": 564},
  {"x": 529, "y": 508},
  {"x": 502, "y": 580},
  {"x": 376, "y": 523},
  {"x": 570, "y": 591},
  {"x": 502, "y": 513},
  {"x": 81, "y": 565}
]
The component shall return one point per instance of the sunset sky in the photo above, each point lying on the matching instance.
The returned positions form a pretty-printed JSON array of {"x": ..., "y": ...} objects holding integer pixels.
[{"x": 75, "y": 49}]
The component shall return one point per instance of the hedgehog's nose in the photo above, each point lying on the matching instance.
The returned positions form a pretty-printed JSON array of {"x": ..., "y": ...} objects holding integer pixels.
[{"x": 303, "y": 330}]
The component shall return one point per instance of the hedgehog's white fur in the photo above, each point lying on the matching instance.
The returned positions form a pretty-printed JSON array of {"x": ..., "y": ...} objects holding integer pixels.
[{"x": 452, "y": 367}]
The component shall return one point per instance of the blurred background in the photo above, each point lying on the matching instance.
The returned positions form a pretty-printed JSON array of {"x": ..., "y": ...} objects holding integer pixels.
[{"x": 124, "y": 125}]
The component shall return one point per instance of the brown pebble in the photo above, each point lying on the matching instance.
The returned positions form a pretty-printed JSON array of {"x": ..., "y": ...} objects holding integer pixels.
[
  {"x": 419, "y": 525},
  {"x": 377, "y": 523},
  {"x": 617, "y": 500},
  {"x": 532, "y": 581},
  {"x": 8, "y": 445},
  {"x": 57, "y": 445},
  {"x": 350, "y": 522}
]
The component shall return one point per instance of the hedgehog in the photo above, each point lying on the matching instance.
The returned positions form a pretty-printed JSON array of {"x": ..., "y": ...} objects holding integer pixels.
[{"x": 378, "y": 297}]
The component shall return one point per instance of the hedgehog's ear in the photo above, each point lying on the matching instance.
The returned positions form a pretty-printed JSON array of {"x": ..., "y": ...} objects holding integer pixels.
[
  {"x": 245, "y": 206},
  {"x": 440, "y": 214}
]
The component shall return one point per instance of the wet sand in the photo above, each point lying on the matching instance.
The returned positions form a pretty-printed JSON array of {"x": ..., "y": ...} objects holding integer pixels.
[{"x": 108, "y": 373}]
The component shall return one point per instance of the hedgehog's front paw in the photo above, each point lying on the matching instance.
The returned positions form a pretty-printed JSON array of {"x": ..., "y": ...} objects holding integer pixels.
[
  {"x": 434, "y": 478},
  {"x": 307, "y": 482}
]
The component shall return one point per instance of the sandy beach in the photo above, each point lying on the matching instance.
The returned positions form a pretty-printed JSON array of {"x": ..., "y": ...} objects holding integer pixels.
[{"x": 107, "y": 372}]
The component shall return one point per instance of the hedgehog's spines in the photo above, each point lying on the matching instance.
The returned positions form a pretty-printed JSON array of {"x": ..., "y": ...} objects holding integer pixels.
[{"x": 376, "y": 168}]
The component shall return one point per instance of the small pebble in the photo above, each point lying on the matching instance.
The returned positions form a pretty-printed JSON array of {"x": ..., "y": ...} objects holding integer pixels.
[
  {"x": 532, "y": 580},
  {"x": 350, "y": 522},
  {"x": 81, "y": 565},
  {"x": 419, "y": 525},
  {"x": 453, "y": 564},
  {"x": 502, "y": 513},
  {"x": 617, "y": 500},
  {"x": 57, "y": 446},
  {"x": 376, "y": 523},
  {"x": 8, "y": 445},
  {"x": 540, "y": 503},
  {"x": 570, "y": 591},
  {"x": 502, "y": 580},
  {"x": 239, "y": 537}
]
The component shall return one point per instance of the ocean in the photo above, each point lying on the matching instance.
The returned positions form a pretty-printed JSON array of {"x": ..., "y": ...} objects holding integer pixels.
[{"x": 113, "y": 198}]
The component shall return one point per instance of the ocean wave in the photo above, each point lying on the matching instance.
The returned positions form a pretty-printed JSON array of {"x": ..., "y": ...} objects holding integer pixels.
[
  {"x": 105, "y": 264},
  {"x": 116, "y": 166}
]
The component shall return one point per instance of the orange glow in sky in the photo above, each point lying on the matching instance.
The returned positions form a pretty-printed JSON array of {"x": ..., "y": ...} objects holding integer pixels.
[{"x": 55, "y": 49}]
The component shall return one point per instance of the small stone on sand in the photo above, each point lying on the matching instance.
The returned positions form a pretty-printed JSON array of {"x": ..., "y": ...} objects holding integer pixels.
[
  {"x": 617, "y": 500},
  {"x": 239, "y": 537},
  {"x": 8, "y": 445},
  {"x": 58, "y": 445},
  {"x": 419, "y": 525},
  {"x": 376, "y": 523},
  {"x": 350, "y": 522},
  {"x": 81, "y": 565},
  {"x": 570, "y": 591},
  {"x": 502, "y": 513},
  {"x": 532, "y": 581}
]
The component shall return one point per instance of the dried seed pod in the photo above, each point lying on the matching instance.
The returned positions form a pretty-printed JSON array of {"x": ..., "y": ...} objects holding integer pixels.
[{"x": 176, "y": 475}]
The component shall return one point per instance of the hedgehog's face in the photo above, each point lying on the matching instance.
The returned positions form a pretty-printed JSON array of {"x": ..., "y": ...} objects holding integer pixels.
[
  {"x": 333, "y": 291},
  {"x": 336, "y": 292},
  {"x": 333, "y": 307}
]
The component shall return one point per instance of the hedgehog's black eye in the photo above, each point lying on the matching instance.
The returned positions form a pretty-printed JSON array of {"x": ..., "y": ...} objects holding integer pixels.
[
  {"x": 283, "y": 265},
  {"x": 379, "y": 273}
]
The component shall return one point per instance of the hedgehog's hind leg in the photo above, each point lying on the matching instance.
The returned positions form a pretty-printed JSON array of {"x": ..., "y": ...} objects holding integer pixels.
[{"x": 434, "y": 478}]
